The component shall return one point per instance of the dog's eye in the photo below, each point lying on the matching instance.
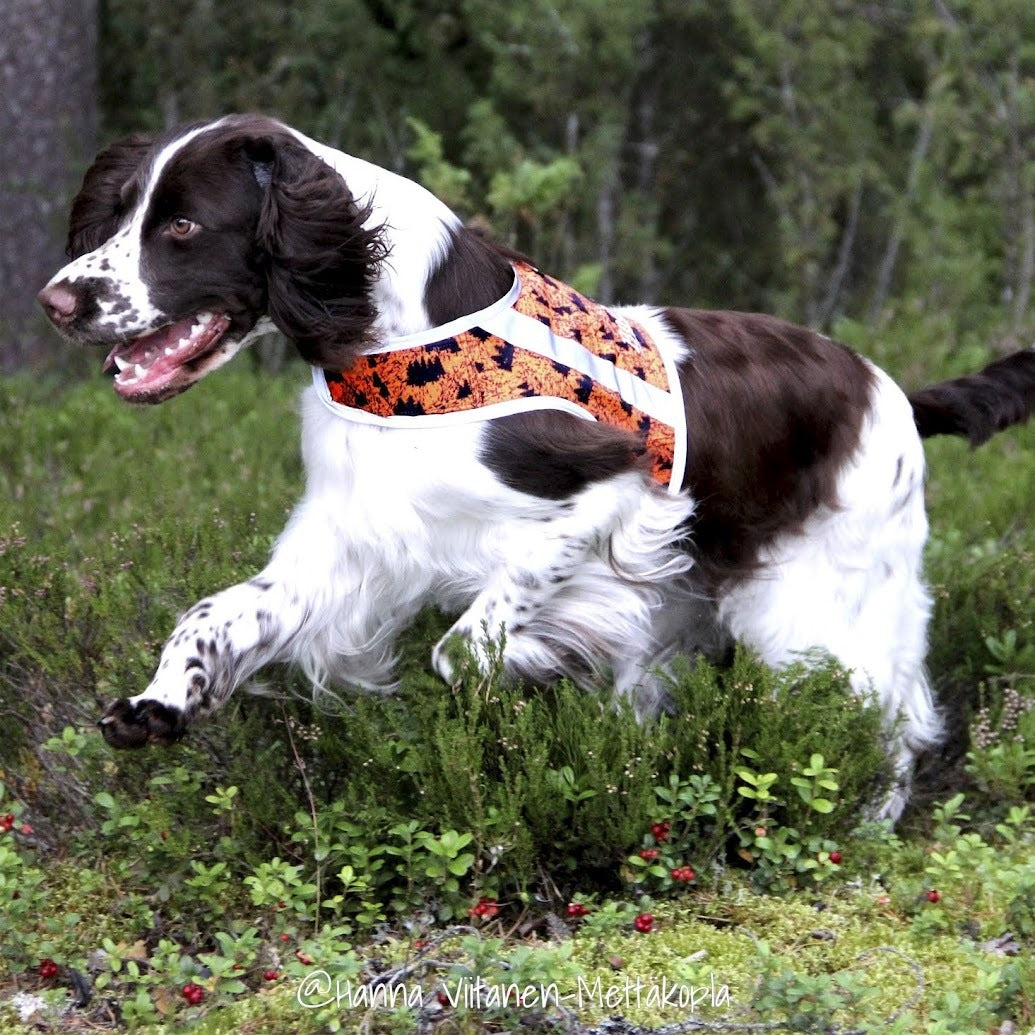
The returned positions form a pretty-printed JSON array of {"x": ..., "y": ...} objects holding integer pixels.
[{"x": 182, "y": 227}]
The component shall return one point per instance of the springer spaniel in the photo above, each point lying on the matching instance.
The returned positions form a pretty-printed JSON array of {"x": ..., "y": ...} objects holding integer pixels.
[{"x": 740, "y": 478}]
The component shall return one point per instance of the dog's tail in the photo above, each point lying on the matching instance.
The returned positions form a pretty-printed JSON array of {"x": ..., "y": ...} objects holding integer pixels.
[{"x": 978, "y": 405}]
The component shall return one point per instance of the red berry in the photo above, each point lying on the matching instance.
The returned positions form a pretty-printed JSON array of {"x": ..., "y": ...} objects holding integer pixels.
[
  {"x": 26, "y": 829},
  {"x": 193, "y": 993},
  {"x": 577, "y": 909},
  {"x": 933, "y": 896},
  {"x": 48, "y": 968},
  {"x": 649, "y": 854},
  {"x": 661, "y": 831},
  {"x": 835, "y": 858},
  {"x": 683, "y": 873},
  {"x": 285, "y": 937},
  {"x": 303, "y": 959},
  {"x": 644, "y": 922},
  {"x": 484, "y": 907},
  {"x": 443, "y": 999},
  {"x": 270, "y": 975}
]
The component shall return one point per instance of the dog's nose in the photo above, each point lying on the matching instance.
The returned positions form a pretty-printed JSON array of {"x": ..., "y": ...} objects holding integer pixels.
[{"x": 59, "y": 302}]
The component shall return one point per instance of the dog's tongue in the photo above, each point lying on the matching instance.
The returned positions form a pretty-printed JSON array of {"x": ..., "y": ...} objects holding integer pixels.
[
  {"x": 147, "y": 362},
  {"x": 147, "y": 347}
]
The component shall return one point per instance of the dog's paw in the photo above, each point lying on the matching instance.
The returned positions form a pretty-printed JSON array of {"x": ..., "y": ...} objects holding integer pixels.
[
  {"x": 441, "y": 663},
  {"x": 135, "y": 724}
]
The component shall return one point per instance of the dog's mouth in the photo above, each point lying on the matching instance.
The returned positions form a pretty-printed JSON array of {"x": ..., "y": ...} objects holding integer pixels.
[{"x": 154, "y": 366}]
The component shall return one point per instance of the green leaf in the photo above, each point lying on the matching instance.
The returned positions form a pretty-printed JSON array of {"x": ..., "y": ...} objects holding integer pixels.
[{"x": 461, "y": 865}]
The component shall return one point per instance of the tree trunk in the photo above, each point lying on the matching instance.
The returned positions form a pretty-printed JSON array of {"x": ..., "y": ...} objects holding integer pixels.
[
  {"x": 1020, "y": 207},
  {"x": 886, "y": 270},
  {"x": 48, "y": 72}
]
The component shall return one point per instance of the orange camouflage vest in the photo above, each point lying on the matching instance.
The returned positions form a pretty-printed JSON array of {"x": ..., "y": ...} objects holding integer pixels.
[{"x": 543, "y": 345}]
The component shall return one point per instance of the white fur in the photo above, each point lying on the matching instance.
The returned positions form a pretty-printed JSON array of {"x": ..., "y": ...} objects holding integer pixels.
[
  {"x": 385, "y": 527},
  {"x": 364, "y": 551}
]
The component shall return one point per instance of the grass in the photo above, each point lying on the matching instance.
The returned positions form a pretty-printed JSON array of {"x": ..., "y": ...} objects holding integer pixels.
[{"x": 362, "y": 840}]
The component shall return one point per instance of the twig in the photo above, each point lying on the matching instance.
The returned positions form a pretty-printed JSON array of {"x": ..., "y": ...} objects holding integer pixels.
[
  {"x": 300, "y": 766},
  {"x": 392, "y": 977}
]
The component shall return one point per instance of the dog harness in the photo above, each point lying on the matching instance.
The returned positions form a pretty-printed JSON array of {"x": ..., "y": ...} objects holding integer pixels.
[{"x": 542, "y": 346}]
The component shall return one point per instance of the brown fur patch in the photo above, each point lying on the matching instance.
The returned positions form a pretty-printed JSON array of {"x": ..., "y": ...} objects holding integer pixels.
[
  {"x": 774, "y": 412},
  {"x": 474, "y": 273},
  {"x": 552, "y": 454}
]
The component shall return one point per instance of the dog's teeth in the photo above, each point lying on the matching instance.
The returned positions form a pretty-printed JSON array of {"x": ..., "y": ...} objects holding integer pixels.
[
  {"x": 120, "y": 362},
  {"x": 204, "y": 318},
  {"x": 138, "y": 371}
]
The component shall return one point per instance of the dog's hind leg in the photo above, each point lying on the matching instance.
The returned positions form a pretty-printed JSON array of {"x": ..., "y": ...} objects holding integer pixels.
[{"x": 850, "y": 583}]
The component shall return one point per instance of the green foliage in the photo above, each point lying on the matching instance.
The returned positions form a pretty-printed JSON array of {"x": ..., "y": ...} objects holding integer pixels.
[
  {"x": 1001, "y": 758},
  {"x": 866, "y": 162},
  {"x": 970, "y": 873},
  {"x": 447, "y": 181},
  {"x": 279, "y": 884},
  {"x": 865, "y": 169},
  {"x": 808, "y": 1002},
  {"x": 421, "y": 802},
  {"x": 275, "y": 836}
]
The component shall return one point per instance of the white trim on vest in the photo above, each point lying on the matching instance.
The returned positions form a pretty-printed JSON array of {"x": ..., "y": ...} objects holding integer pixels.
[{"x": 505, "y": 322}]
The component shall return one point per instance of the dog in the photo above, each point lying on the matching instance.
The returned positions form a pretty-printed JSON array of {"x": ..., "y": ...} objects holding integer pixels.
[{"x": 606, "y": 487}]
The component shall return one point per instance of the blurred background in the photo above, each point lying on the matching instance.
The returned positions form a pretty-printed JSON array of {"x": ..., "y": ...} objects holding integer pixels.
[{"x": 860, "y": 166}]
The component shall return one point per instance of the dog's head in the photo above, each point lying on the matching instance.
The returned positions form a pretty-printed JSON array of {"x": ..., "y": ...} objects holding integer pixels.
[{"x": 182, "y": 246}]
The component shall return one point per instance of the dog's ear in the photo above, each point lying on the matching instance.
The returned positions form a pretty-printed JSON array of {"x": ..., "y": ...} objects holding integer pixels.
[
  {"x": 321, "y": 255},
  {"x": 101, "y": 202}
]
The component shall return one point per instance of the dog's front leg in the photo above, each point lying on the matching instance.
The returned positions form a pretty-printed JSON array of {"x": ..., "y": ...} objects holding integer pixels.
[{"x": 218, "y": 643}]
